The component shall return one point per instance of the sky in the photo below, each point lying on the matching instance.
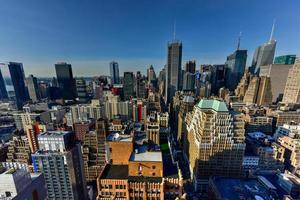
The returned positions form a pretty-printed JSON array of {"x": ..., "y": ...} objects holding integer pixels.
[{"x": 135, "y": 33}]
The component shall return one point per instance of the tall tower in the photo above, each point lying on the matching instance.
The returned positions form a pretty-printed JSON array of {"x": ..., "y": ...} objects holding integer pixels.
[
  {"x": 3, "y": 92},
  {"x": 235, "y": 67},
  {"x": 128, "y": 85},
  {"x": 32, "y": 86},
  {"x": 65, "y": 80},
  {"x": 173, "y": 73},
  {"x": 292, "y": 87},
  {"x": 114, "y": 72},
  {"x": 215, "y": 142},
  {"x": 264, "y": 54}
]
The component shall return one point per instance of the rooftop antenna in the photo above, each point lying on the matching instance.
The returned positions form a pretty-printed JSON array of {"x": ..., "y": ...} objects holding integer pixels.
[
  {"x": 239, "y": 41},
  {"x": 272, "y": 32},
  {"x": 174, "y": 31}
]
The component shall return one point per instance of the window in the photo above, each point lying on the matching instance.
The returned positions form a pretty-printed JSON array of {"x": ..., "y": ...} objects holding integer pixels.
[
  {"x": 153, "y": 167},
  {"x": 153, "y": 174}
]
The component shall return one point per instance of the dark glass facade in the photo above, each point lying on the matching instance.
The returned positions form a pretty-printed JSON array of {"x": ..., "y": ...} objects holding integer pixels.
[{"x": 65, "y": 80}]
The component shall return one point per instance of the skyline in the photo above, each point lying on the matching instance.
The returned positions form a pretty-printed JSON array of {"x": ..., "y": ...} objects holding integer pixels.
[{"x": 112, "y": 31}]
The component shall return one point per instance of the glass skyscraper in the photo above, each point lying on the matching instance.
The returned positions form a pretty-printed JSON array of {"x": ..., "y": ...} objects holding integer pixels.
[
  {"x": 114, "y": 72},
  {"x": 65, "y": 80},
  {"x": 235, "y": 68},
  {"x": 173, "y": 69},
  {"x": 12, "y": 76}
]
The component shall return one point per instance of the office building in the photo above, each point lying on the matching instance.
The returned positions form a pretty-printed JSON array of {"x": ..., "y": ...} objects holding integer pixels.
[
  {"x": 81, "y": 89},
  {"x": 173, "y": 69},
  {"x": 264, "y": 54},
  {"x": 139, "y": 111},
  {"x": 189, "y": 76},
  {"x": 190, "y": 66},
  {"x": 217, "y": 78},
  {"x": 3, "y": 92},
  {"x": 32, "y": 86},
  {"x": 18, "y": 184},
  {"x": 216, "y": 142},
  {"x": 93, "y": 151},
  {"x": 235, "y": 68},
  {"x": 114, "y": 72},
  {"x": 60, "y": 160},
  {"x": 140, "y": 86},
  {"x": 285, "y": 60},
  {"x": 259, "y": 91},
  {"x": 128, "y": 85},
  {"x": 151, "y": 75},
  {"x": 292, "y": 87},
  {"x": 278, "y": 74},
  {"x": 19, "y": 150},
  {"x": 32, "y": 131},
  {"x": 83, "y": 112},
  {"x": 83, "y": 127},
  {"x": 65, "y": 80},
  {"x": 136, "y": 173},
  {"x": 14, "y": 79},
  {"x": 188, "y": 81}
]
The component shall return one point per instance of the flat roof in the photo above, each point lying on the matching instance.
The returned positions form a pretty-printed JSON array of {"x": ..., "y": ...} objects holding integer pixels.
[
  {"x": 54, "y": 133},
  {"x": 115, "y": 172},
  {"x": 115, "y": 136},
  {"x": 236, "y": 189},
  {"x": 153, "y": 156}
]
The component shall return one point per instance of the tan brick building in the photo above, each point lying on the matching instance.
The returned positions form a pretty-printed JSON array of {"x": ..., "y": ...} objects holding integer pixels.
[{"x": 215, "y": 142}]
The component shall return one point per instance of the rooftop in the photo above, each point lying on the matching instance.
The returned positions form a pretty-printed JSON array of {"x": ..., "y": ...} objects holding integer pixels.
[
  {"x": 114, "y": 136},
  {"x": 260, "y": 188},
  {"x": 54, "y": 133},
  {"x": 115, "y": 172},
  {"x": 155, "y": 156},
  {"x": 216, "y": 105}
]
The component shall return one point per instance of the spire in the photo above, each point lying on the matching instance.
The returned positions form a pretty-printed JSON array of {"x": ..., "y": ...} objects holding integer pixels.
[
  {"x": 174, "y": 30},
  {"x": 239, "y": 41},
  {"x": 272, "y": 32}
]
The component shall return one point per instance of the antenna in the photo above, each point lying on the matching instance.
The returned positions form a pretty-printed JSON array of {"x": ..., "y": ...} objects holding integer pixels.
[
  {"x": 239, "y": 41},
  {"x": 272, "y": 32},
  {"x": 174, "y": 30}
]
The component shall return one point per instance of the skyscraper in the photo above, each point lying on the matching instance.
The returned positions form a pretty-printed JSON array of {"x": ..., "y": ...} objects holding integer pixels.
[
  {"x": 190, "y": 66},
  {"x": 278, "y": 74},
  {"x": 292, "y": 87},
  {"x": 128, "y": 85},
  {"x": 215, "y": 141},
  {"x": 140, "y": 86},
  {"x": 188, "y": 81},
  {"x": 32, "y": 86},
  {"x": 235, "y": 68},
  {"x": 65, "y": 80},
  {"x": 259, "y": 91},
  {"x": 151, "y": 74},
  {"x": 81, "y": 90},
  {"x": 189, "y": 76},
  {"x": 60, "y": 160},
  {"x": 264, "y": 54},
  {"x": 14, "y": 79},
  {"x": 3, "y": 92},
  {"x": 173, "y": 69},
  {"x": 114, "y": 72}
]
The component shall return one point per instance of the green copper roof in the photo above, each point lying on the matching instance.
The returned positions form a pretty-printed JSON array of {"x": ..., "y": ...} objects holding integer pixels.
[{"x": 216, "y": 105}]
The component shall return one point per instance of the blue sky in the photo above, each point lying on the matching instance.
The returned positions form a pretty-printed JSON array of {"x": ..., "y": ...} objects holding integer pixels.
[{"x": 90, "y": 34}]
